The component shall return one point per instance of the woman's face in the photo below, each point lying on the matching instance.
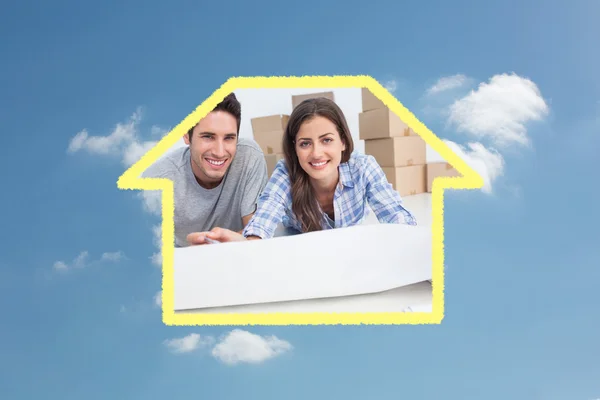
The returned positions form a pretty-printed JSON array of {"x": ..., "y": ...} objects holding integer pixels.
[{"x": 319, "y": 148}]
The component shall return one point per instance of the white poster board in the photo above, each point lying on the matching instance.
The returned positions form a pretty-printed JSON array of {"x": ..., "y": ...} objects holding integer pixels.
[
  {"x": 341, "y": 262},
  {"x": 411, "y": 298}
]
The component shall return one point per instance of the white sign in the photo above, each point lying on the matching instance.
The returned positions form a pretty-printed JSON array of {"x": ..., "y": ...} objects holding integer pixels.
[{"x": 340, "y": 262}]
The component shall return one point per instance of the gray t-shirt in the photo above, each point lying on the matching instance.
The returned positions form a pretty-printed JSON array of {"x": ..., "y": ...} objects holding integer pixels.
[{"x": 198, "y": 209}]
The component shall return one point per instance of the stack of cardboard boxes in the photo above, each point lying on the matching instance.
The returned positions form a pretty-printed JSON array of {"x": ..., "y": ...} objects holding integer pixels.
[
  {"x": 400, "y": 152},
  {"x": 438, "y": 169},
  {"x": 299, "y": 98},
  {"x": 268, "y": 131}
]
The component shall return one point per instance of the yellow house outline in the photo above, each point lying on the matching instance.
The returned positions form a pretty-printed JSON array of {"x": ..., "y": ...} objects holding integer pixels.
[{"x": 468, "y": 179}]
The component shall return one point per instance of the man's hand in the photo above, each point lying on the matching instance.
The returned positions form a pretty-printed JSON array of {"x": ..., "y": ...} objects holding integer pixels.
[{"x": 219, "y": 234}]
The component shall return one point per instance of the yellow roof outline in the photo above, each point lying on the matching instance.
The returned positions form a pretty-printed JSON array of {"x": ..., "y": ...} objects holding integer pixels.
[{"x": 469, "y": 179}]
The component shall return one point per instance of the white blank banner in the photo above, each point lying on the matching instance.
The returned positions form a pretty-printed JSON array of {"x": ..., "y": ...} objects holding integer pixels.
[{"x": 341, "y": 262}]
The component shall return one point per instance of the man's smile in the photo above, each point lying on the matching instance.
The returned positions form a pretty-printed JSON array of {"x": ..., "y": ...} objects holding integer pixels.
[{"x": 215, "y": 163}]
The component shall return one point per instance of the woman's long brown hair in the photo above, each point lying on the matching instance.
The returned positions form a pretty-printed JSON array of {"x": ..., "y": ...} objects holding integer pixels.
[{"x": 304, "y": 201}]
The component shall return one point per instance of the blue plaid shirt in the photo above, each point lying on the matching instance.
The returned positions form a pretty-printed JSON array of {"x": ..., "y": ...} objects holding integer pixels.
[{"x": 361, "y": 181}]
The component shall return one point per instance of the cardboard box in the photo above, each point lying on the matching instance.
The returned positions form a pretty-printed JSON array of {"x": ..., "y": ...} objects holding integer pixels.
[
  {"x": 270, "y": 142},
  {"x": 272, "y": 160},
  {"x": 398, "y": 151},
  {"x": 299, "y": 98},
  {"x": 270, "y": 123},
  {"x": 381, "y": 123},
  {"x": 438, "y": 169},
  {"x": 370, "y": 101},
  {"x": 409, "y": 180},
  {"x": 268, "y": 132}
]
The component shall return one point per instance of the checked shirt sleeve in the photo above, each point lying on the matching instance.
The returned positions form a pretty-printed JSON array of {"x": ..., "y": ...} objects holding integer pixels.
[
  {"x": 383, "y": 199},
  {"x": 272, "y": 204}
]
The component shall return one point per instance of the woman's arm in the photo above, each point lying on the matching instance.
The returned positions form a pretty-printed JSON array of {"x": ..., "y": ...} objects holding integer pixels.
[
  {"x": 272, "y": 205},
  {"x": 381, "y": 196}
]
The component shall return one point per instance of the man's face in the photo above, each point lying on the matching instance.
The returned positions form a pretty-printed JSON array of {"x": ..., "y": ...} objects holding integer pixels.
[{"x": 212, "y": 147}]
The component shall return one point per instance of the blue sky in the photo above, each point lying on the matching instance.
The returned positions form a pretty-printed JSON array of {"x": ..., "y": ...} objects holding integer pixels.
[{"x": 522, "y": 316}]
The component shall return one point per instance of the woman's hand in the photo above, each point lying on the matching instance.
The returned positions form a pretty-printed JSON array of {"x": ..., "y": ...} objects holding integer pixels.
[{"x": 218, "y": 234}]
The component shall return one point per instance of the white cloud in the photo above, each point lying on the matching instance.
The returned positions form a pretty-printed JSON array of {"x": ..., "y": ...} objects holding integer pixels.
[
  {"x": 486, "y": 162},
  {"x": 135, "y": 150},
  {"x": 60, "y": 266},
  {"x": 158, "y": 131},
  {"x": 496, "y": 111},
  {"x": 115, "y": 256},
  {"x": 448, "y": 83},
  {"x": 123, "y": 142},
  {"x": 236, "y": 347},
  {"x": 240, "y": 346},
  {"x": 82, "y": 260},
  {"x": 157, "y": 240},
  {"x": 158, "y": 299},
  {"x": 499, "y": 110},
  {"x": 151, "y": 201},
  {"x": 120, "y": 138},
  {"x": 188, "y": 344},
  {"x": 78, "y": 142},
  {"x": 78, "y": 262},
  {"x": 156, "y": 259},
  {"x": 391, "y": 85}
]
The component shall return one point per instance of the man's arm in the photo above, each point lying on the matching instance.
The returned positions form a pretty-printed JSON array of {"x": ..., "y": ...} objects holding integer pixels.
[
  {"x": 255, "y": 183},
  {"x": 245, "y": 221}
]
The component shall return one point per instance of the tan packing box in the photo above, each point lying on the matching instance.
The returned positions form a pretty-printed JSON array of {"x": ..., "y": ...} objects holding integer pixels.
[
  {"x": 299, "y": 98},
  {"x": 272, "y": 160},
  {"x": 268, "y": 132},
  {"x": 407, "y": 180},
  {"x": 381, "y": 123},
  {"x": 270, "y": 142},
  {"x": 438, "y": 169},
  {"x": 270, "y": 123},
  {"x": 398, "y": 151},
  {"x": 370, "y": 101}
]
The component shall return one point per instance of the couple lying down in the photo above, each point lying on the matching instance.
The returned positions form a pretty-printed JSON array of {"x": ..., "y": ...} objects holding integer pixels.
[{"x": 319, "y": 184}]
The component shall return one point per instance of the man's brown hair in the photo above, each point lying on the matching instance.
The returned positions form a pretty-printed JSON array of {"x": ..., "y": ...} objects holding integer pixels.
[{"x": 231, "y": 105}]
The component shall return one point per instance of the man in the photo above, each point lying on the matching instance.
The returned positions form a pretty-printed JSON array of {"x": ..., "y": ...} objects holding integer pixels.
[{"x": 217, "y": 177}]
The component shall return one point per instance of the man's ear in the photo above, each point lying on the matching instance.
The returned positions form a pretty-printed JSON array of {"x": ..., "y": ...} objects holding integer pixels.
[{"x": 186, "y": 138}]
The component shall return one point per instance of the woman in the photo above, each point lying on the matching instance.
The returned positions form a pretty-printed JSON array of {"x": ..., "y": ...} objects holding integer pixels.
[{"x": 320, "y": 183}]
